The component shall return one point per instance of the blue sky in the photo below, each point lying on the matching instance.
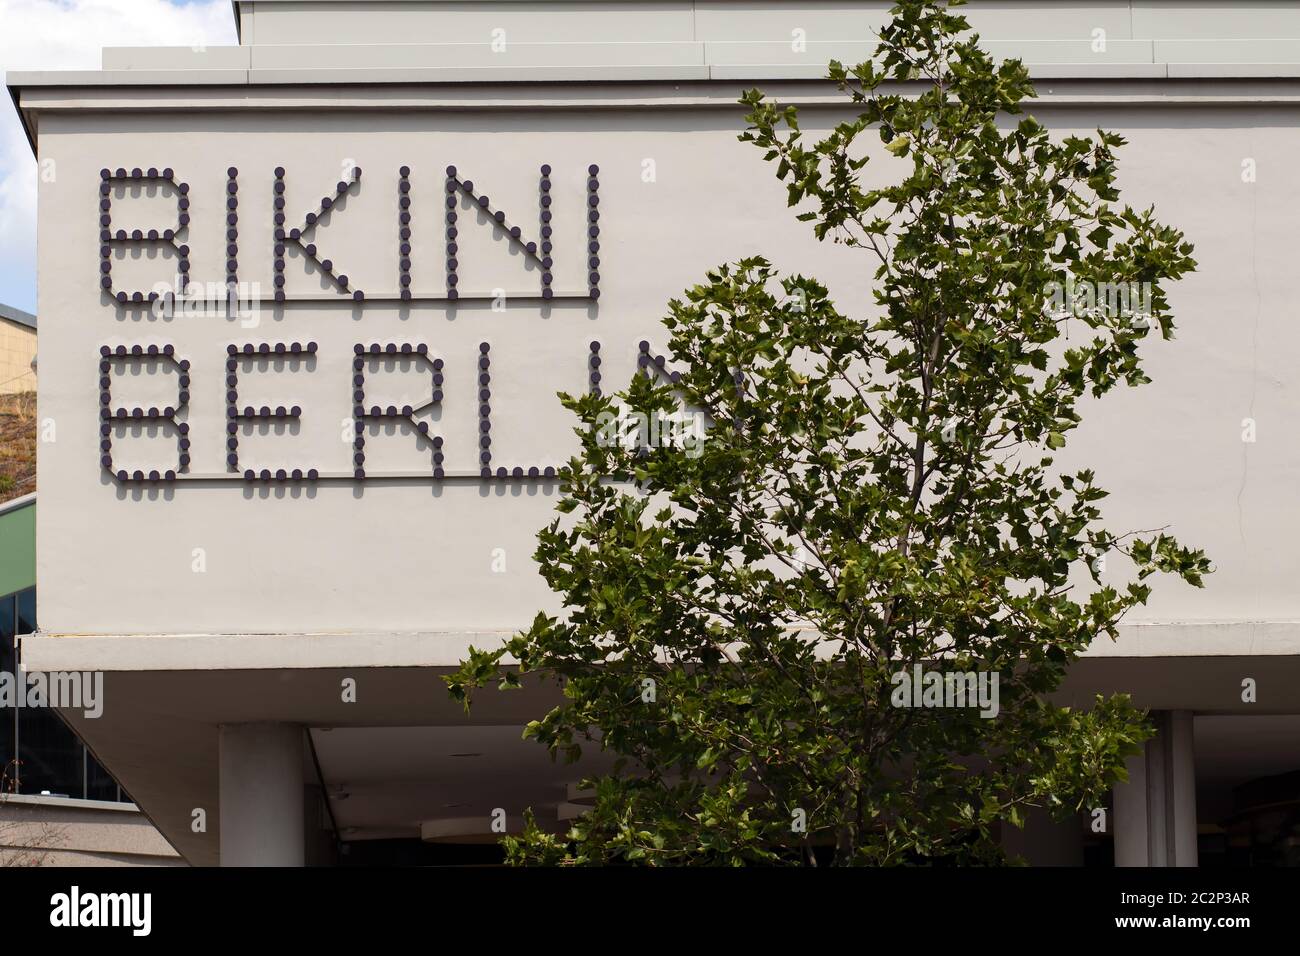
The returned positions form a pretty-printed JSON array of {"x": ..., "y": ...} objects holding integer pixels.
[{"x": 68, "y": 35}]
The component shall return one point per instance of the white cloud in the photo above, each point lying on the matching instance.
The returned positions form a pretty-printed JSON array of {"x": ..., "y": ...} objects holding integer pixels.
[{"x": 68, "y": 35}]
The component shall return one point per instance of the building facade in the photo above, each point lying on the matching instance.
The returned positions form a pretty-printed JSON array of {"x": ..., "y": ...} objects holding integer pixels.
[
  {"x": 17, "y": 350},
  {"x": 272, "y": 523}
]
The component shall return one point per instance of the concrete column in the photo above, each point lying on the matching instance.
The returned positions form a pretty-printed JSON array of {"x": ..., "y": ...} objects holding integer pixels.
[
  {"x": 1155, "y": 812},
  {"x": 261, "y": 795},
  {"x": 1130, "y": 812}
]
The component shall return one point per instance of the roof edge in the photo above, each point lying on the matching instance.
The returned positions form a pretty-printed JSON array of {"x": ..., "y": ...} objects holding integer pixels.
[
  {"x": 17, "y": 504},
  {"x": 11, "y": 314}
]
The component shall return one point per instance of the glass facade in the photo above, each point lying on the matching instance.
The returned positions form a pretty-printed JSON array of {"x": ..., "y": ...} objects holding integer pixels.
[{"x": 38, "y": 753}]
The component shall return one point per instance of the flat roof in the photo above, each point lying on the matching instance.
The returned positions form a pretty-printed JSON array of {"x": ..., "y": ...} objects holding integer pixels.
[
  {"x": 9, "y": 313},
  {"x": 295, "y": 44},
  {"x": 465, "y": 41}
]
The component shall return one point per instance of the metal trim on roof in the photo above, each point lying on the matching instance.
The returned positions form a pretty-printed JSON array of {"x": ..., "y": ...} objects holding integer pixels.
[{"x": 11, "y": 314}]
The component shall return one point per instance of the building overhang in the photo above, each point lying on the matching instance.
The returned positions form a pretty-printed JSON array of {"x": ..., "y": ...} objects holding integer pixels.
[
  {"x": 396, "y": 649},
  {"x": 401, "y": 755},
  {"x": 567, "y": 89}
]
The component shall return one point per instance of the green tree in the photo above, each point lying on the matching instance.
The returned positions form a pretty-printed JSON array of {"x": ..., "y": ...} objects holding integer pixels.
[{"x": 875, "y": 492}]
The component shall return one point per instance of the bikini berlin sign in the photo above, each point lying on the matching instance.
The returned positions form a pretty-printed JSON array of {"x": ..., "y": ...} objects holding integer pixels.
[
  {"x": 297, "y": 235},
  {"x": 301, "y": 236}
]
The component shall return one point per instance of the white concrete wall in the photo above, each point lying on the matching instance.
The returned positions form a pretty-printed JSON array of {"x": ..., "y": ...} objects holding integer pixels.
[{"x": 418, "y": 555}]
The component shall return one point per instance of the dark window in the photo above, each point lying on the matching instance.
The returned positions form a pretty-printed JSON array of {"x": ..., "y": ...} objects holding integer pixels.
[
  {"x": 99, "y": 785},
  {"x": 8, "y": 673},
  {"x": 49, "y": 756}
]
